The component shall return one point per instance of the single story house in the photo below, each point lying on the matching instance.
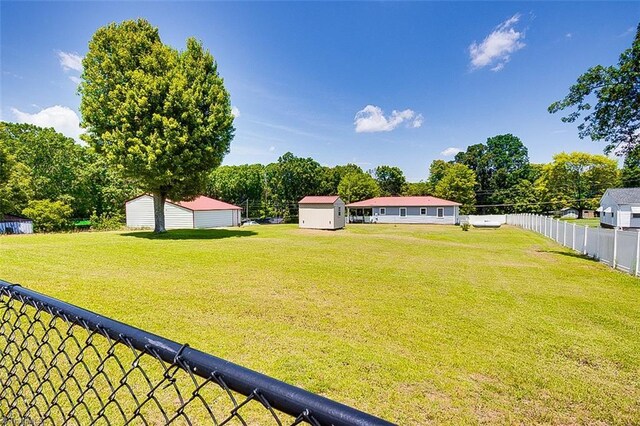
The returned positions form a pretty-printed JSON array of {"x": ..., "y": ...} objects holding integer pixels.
[
  {"x": 15, "y": 224},
  {"x": 203, "y": 212},
  {"x": 620, "y": 208},
  {"x": 321, "y": 212},
  {"x": 405, "y": 210}
]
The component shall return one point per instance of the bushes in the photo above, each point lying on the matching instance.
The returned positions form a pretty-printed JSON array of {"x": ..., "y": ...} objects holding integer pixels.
[
  {"x": 48, "y": 216},
  {"x": 106, "y": 222}
]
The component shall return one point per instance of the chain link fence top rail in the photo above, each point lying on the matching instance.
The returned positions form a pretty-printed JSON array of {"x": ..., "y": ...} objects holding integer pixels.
[{"x": 60, "y": 364}]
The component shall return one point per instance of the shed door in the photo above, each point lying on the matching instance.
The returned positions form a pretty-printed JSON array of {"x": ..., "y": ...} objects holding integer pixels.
[{"x": 403, "y": 212}]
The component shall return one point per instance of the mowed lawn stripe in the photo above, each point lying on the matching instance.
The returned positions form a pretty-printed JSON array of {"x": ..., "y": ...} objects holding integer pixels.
[{"x": 418, "y": 324}]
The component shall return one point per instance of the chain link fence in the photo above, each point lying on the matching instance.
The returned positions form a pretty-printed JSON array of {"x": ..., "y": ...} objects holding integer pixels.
[
  {"x": 60, "y": 364},
  {"x": 613, "y": 247}
]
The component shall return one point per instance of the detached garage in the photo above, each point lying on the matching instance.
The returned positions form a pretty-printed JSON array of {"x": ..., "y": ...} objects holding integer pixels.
[
  {"x": 321, "y": 212},
  {"x": 203, "y": 212}
]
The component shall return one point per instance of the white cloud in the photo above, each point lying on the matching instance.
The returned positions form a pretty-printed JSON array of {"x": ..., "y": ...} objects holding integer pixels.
[
  {"x": 371, "y": 119},
  {"x": 568, "y": 35},
  {"x": 272, "y": 148},
  {"x": 497, "y": 47},
  {"x": 235, "y": 112},
  {"x": 450, "y": 152},
  {"x": 61, "y": 118},
  {"x": 70, "y": 61},
  {"x": 75, "y": 79}
]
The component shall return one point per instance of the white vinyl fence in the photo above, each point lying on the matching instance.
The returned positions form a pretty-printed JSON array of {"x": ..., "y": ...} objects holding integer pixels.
[
  {"x": 16, "y": 227},
  {"x": 618, "y": 249}
]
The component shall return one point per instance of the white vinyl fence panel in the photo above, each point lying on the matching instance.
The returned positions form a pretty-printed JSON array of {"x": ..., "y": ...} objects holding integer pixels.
[
  {"x": 16, "y": 227},
  {"x": 618, "y": 249}
]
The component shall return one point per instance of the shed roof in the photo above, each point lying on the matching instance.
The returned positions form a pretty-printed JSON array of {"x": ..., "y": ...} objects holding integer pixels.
[
  {"x": 13, "y": 218},
  {"x": 319, "y": 199},
  {"x": 205, "y": 203},
  {"x": 625, "y": 195},
  {"x": 403, "y": 202}
]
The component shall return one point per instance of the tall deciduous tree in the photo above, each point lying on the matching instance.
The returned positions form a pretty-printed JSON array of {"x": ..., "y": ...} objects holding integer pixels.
[
  {"x": 457, "y": 184},
  {"x": 292, "y": 178},
  {"x": 577, "y": 179},
  {"x": 162, "y": 116},
  {"x": 631, "y": 169},
  {"x": 357, "y": 186},
  {"x": 615, "y": 117},
  {"x": 390, "y": 179},
  {"x": 237, "y": 184}
]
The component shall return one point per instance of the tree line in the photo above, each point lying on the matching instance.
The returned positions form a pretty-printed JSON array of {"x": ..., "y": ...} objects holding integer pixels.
[{"x": 49, "y": 177}]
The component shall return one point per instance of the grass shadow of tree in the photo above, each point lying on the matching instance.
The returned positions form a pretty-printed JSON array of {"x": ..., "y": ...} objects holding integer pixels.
[{"x": 191, "y": 234}]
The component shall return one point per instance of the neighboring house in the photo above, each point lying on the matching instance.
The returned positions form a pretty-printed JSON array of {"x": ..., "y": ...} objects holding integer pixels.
[
  {"x": 569, "y": 213},
  {"x": 321, "y": 212},
  {"x": 405, "y": 210},
  {"x": 620, "y": 208},
  {"x": 203, "y": 212},
  {"x": 573, "y": 213},
  {"x": 14, "y": 224}
]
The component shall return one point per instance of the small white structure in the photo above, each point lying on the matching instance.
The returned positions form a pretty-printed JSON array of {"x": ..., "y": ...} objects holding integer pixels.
[
  {"x": 321, "y": 212},
  {"x": 203, "y": 212},
  {"x": 569, "y": 213},
  {"x": 14, "y": 224},
  {"x": 620, "y": 208},
  {"x": 405, "y": 210}
]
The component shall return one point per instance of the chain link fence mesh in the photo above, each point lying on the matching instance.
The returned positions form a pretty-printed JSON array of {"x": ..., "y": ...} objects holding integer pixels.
[{"x": 58, "y": 367}]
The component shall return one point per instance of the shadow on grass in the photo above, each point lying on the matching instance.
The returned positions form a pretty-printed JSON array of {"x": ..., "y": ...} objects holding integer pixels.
[
  {"x": 191, "y": 234},
  {"x": 569, "y": 254}
]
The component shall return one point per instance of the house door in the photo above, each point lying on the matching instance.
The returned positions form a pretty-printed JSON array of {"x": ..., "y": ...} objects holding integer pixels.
[{"x": 403, "y": 212}]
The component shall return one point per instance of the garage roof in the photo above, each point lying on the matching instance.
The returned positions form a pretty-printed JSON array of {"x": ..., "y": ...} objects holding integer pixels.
[{"x": 205, "y": 203}]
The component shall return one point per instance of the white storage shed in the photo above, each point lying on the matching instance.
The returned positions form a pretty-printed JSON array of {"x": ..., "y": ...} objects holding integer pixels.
[
  {"x": 203, "y": 212},
  {"x": 321, "y": 212}
]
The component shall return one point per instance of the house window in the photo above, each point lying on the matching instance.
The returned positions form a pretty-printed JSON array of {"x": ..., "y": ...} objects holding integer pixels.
[
  {"x": 403, "y": 211},
  {"x": 339, "y": 211},
  {"x": 636, "y": 215},
  {"x": 423, "y": 211},
  {"x": 440, "y": 211},
  {"x": 383, "y": 210}
]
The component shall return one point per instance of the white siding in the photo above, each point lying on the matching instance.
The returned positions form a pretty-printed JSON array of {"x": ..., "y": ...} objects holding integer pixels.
[
  {"x": 393, "y": 215},
  {"x": 605, "y": 218},
  {"x": 177, "y": 217},
  {"x": 140, "y": 214},
  {"x": 320, "y": 216},
  {"x": 215, "y": 218}
]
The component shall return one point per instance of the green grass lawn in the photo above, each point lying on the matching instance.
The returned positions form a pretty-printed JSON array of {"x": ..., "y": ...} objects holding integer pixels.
[
  {"x": 417, "y": 324},
  {"x": 591, "y": 223}
]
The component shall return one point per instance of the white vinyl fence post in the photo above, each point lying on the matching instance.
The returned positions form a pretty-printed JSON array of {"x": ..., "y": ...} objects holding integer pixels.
[
  {"x": 598, "y": 244},
  {"x": 584, "y": 246},
  {"x": 573, "y": 237},
  {"x": 557, "y": 230},
  {"x": 615, "y": 248},
  {"x": 638, "y": 254}
]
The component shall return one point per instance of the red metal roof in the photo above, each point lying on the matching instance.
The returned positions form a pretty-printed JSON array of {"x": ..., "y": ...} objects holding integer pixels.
[
  {"x": 403, "y": 202},
  {"x": 206, "y": 203},
  {"x": 319, "y": 199}
]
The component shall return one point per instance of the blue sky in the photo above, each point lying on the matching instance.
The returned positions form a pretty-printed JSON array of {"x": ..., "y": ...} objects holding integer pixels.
[{"x": 397, "y": 83}]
